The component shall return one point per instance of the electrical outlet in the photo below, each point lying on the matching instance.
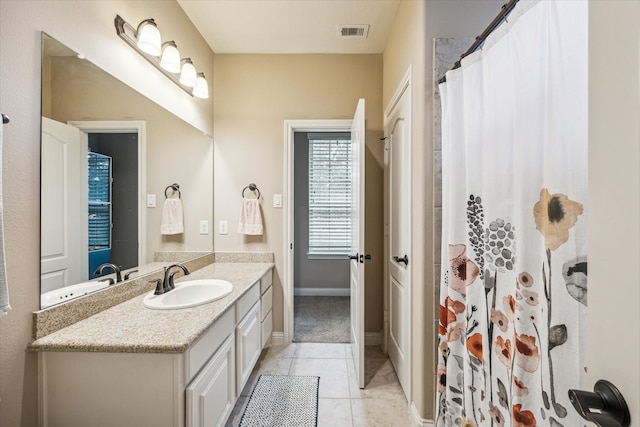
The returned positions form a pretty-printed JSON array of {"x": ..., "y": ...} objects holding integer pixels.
[
  {"x": 204, "y": 227},
  {"x": 223, "y": 227}
]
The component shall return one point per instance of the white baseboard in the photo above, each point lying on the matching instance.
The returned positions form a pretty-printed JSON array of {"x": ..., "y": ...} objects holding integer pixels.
[
  {"x": 418, "y": 420},
  {"x": 277, "y": 338},
  {"x": 322, "y": 292},
  {"x": 370, "y": 338},
  {"x": 373, "y": 338}
]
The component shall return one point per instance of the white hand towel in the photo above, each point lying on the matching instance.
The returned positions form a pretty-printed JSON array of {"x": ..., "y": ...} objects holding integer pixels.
[
  {"x": 250, "y": 218},
  {"x": 172, "y": 217},
  {"x": 4, "y": 287}
]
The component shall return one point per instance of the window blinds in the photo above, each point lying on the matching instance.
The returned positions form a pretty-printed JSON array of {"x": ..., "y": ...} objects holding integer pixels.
[{"x": 329, "y": 193}]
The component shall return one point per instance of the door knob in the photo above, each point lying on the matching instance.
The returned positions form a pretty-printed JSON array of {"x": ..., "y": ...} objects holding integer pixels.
[
  {"x": 605, "y": 406},
  {"x": 353, "y": 256},
  {"x": 363, "y": 257},
  {"x": 404, "y": 259}
]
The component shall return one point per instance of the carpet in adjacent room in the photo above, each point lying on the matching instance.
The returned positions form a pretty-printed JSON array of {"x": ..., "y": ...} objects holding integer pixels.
[{"x": 322, "y": 319}]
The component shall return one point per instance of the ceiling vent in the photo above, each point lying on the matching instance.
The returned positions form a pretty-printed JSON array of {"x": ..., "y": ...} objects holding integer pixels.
[{"x": 353, "y": 31}]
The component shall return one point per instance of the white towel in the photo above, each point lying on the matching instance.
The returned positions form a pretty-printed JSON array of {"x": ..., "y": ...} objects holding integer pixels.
[
  {"x": 4, "y": 288},
  {"x": 172, "y": 217},
  {"x": 250, "y": 218}
]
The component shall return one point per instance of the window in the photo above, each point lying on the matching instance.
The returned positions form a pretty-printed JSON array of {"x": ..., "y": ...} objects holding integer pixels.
[{"x": 329, "y": 194}]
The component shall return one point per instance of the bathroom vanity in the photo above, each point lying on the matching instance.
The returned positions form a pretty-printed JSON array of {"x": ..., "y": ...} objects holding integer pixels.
[{"x": 130, "y": 365}]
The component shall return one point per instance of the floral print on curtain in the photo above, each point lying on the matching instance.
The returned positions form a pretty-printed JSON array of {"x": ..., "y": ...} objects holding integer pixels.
[
  {"x": 506, "y": 340},
  {"x": 513, "y": 289}
]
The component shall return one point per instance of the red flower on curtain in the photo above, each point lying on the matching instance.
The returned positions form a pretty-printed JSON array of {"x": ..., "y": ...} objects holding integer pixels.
[
  {"x": 509, "y": 305},
  {"x": 447, "y": 325},
  {"x": 503, "y": 351},
  {"x": 462, "y": 271},
  {"x": 474, "y": 345},
  {"x": 499, "y": 319},
  {"x": 522, "y": 418},
  {"x": 519, "y": 388},
  {"x": 527, "y": 355}
]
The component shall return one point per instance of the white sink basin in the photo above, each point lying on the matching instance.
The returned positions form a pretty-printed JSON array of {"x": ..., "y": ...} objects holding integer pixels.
[{"x": 189, "y": 294}]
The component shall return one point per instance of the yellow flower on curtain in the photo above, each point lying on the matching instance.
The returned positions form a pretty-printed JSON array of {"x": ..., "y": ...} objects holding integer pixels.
[{"x": 555, "y": 214}]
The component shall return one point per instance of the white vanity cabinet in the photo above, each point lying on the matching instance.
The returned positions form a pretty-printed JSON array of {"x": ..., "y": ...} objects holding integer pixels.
[
  {"x": 196, "y": 388},
  {"x": 126, "y": 389}
]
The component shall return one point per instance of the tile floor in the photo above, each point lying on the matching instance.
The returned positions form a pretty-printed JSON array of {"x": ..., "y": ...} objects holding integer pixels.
[{"x": 341, "y": 403}]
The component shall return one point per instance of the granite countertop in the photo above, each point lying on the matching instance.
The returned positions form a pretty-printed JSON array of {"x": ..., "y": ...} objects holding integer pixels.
[{"x": 129, "y": 327}]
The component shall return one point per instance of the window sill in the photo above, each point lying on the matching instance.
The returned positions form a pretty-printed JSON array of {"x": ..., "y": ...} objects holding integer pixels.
[{"x": 327, "y": 256}]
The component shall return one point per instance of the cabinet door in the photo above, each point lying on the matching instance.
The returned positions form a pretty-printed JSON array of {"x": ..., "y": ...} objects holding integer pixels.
[
  {"x": 211, "y": 395},
  {"x": 248, "y": 345}
]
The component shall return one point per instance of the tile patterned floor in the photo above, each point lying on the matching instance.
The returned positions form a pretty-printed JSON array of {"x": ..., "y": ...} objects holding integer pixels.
[{"x": 341, "y": 403}]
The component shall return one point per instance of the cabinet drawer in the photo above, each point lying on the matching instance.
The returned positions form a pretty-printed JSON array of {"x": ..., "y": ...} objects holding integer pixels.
[
  {"x": 247, "y": 301},
  {"x": 266, "y": 281},
  {"x": 207, "y": 344},
  {"x": 266, "y": 302},
  {"x": 267, "y": 329}
]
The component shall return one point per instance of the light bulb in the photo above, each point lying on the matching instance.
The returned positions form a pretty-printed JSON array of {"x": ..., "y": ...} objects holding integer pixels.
[
  {"x": 170, "y": 60},
  {"x": 202, "y": 87},
  {"x": 188, "y": 75},
  {"x": 149, "y": 40}
]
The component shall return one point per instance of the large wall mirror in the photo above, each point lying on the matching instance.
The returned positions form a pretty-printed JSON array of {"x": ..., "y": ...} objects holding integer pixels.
[{"x": 107, "y": 152}]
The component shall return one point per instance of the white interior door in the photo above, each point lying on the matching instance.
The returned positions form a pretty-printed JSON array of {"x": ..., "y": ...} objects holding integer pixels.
[
  {"x": 358, "y": 255},
  {"x": 64, "y": 242},
  {"x": 398, "y": 133}
]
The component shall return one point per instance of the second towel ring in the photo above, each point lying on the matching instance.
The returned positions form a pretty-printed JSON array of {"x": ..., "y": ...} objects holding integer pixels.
[
  {"x": 251, "y": 187},
  {"x": 175, "y": 188}
]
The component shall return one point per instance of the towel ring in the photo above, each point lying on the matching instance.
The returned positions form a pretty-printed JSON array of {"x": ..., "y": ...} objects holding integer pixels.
[
  {"x": 175, "y": 188},
  {"x": 251, "y": 187}
]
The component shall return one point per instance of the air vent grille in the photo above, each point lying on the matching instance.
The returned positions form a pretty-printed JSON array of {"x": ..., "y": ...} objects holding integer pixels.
[{"x": 353, "y": 31}]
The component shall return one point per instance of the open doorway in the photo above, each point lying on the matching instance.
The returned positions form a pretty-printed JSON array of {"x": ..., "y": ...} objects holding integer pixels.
[
  {"x": 322, "y": 236},
  {"x": 113, "y": 207}
]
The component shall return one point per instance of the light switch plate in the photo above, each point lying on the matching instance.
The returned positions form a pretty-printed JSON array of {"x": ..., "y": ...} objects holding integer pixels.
[
  {"x": 204, "y": 227},
  {"x": 223, "y": 227},
  {"x": 151, "y": 200},
  {"x": 277, "y": 200}
]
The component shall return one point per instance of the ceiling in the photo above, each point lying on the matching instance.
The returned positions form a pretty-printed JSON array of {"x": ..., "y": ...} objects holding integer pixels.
[{"x": 290, "y": 26}]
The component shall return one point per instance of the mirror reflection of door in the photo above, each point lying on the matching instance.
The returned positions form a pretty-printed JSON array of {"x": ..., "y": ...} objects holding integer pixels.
[
  {"x": 63, "y": 195},
  {"x": 122, "y": 250}
]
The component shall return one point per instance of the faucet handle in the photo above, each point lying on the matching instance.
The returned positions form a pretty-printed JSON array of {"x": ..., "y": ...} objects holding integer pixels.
[
  {"x": 129, "y": 273},
  {"x": 159, "y": 288}
]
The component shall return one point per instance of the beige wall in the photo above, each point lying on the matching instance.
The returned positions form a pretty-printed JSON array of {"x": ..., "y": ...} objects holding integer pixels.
[
  {"x": 87, "y": 27},
  {"x": 254, "y": 95},
  {"x": 614, "y": 198}
]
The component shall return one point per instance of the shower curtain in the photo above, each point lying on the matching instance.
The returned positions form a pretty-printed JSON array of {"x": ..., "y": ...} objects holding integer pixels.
[{"x": 513, "y": 294}]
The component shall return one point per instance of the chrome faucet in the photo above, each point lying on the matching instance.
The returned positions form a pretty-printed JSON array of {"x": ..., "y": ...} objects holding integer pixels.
[
  {"x": 114, "y": 268},
  {"x": 167, "y": 283}
]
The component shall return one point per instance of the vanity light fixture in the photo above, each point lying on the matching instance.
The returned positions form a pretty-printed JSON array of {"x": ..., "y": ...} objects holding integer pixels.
[{"x": 146, "y": 40}]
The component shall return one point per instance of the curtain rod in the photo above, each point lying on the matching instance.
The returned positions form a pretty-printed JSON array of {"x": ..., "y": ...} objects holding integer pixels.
[{"x": 504, "y": 12}]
